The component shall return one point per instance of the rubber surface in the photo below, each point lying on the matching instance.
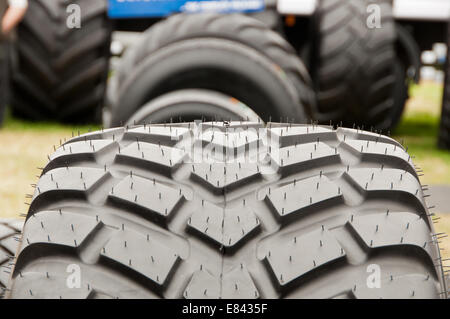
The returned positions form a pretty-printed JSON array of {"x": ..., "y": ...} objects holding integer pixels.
[
  {"x": 400, "y": 95},
  {"x": 9, "y": 242},
  {"x": 353, "y": 65},
  {"x": 312, "y": 213},
  {"x": 444, "y": 130},
  {"x": 4, "y": 78},
  {"x": 59, "y": 72},
  {"x": 232, "y": 54},
  {"x": 192, "y": 105}
]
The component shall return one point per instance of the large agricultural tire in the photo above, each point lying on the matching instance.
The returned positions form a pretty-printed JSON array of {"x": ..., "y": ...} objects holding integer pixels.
[
  {"x": 60, "y": 73},
  {"x": 353, "y": 66},
  {"x": 320, "y": 213},
  {"x": 400, "y": 96},
  {"x": 192, "y": 105},
  {"x": 444, "y": 130},
  {"x": 10, "y": 230},
  {"x": 232, "y": 54},
  {"x": 4, "y": 80}
]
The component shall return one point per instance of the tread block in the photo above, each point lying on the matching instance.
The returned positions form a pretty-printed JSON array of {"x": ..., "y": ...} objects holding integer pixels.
[
  {"x": 83, "y": 147},
  {"x": 365, "y": 136},
  {"x": 375, "y": 180},
  {"x": 6, "y": 231},
  {"x": 76, "y": 179},
  {"x": 149, "y": 257},
  {"x": 32, "y": 285},
  {"x": 107, "y": 134},
  {"x": 61, "y": 228},
  {"x": 288, "y": 158},
  {"x": 377, "y": 148},
  {"x": 159, "y": 158},
  {"x": 17, "y": 225},
  {"x": 217, "y": 176},
  {"x": 152, "y": 195},
  {"x": 227, "y": 227},
  {"x": 295, "y": 196},
  {"x": 223, "y": 126},
  {"x": 11, "y": 243},
  {"x": 414, "y": 286},
  {"x": 292, "y": 255},
  {"x": 203, "y": 285},
  {"x": 5, "y": 274},
  {"x": 235, "y": 140},
  {"x": 157, "y": 134},
  {"x": 301, "y": 134},
  {"x": 4, "y": 256},
  {"x": 6, "y": 265},
  {"x": 396, "y": 228},
  {"x": 237, "y": 284}
]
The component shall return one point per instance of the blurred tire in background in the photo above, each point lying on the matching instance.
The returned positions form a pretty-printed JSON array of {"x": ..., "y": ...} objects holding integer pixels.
[
  {"x": 189, "y": 105},
  {"x": 60, "y": 73},
  {"x": 444, "y": 131},
  {"x": 233, "y": 54},
  {"x": 354, "y": 66},
  {"x": 10, "y": 233},
  {"x": 4, "y": 78}
]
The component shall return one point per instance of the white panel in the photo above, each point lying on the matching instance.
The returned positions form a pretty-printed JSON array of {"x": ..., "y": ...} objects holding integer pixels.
[
  {"x": 297, "y": 7},
  {"x": 436, "y": 10}
]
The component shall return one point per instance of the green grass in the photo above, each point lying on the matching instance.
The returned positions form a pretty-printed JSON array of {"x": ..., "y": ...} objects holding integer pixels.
[
  {"x": 419, "y": 130},
  {"x": 14, "y": 124},
  {"x": 428, "y": 96},
  {"x": 419, "y": 133}
]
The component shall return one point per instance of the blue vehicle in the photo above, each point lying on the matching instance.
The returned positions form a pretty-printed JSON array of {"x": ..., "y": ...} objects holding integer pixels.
[{"x": 158, "y": 9}]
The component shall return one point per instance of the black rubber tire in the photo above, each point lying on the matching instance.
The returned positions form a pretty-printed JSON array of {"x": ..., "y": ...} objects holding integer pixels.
[
  {"x": 60, "y": 73},
  {"x": 353, "y": 66},
  {"x": 270, "y": 17},
  {"x": 444, "y": 129},
  {"x": 10, "y": 230},
  {"x": 232, "y": 54},
  {"x": 305, "y": 220},
  {"x": 4, "y": 78},
  {"x": 400, "y": 95},
  {"x": 191, "y": 105}
]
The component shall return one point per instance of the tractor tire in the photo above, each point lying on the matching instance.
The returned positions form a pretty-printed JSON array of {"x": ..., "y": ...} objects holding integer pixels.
[
  {"x": 353, "y": 66},
  {"x": 60, "y": 73},
  {"x": 4, "y": 79},
  {"x": 232, "y": 54},
  {"x": 313, "y": 212},
  {"x": 10, "y": 230},
  {"x": 270, "y": 17},
  {"x": 400, "y": 96},
  {"x": 444, "y": 130},
  {"x": 191, "y": 105}
]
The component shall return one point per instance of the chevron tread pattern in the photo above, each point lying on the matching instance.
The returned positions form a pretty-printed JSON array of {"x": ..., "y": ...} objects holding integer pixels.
[
  {"x": 60, "y": 73},
  {"x": 354, "y": 69},
  {"x": 138, "y": 226}
]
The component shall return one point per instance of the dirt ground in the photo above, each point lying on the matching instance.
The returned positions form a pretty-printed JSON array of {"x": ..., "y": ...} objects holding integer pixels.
[{"x": 21, "y": 156}]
